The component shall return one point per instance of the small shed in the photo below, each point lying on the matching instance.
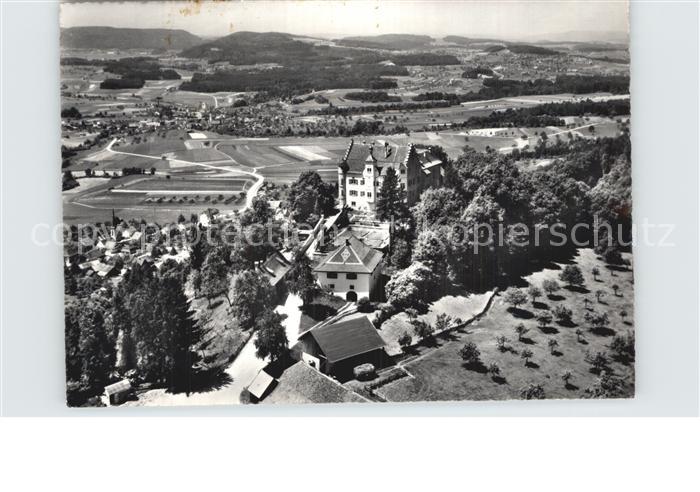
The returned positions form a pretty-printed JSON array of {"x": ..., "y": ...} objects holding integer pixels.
[
  {"x": 261, "y": 385},
  {"x": 118, "y": 393}
]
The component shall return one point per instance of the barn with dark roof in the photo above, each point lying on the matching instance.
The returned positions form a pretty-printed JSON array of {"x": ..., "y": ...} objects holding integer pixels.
[{"x": 338, "y": 348}]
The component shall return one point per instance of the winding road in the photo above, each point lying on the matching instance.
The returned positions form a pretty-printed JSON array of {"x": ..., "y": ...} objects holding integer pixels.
[{"x": 250, "y": 194}]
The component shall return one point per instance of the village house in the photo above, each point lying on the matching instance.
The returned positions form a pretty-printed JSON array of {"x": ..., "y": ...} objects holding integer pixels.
[
  {"x": 275, "y": 269},
  {"x": 351, "y": 271},
  {"x": 362, "y": 170},
  {"x": 338, "y": 348}
]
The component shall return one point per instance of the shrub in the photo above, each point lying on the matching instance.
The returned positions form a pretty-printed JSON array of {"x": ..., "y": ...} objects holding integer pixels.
[
  {"x": 443, "y": 322},
  {"x": 405, "y": 340},
  {"x": 598, "y": 361},
  {"x": 563, "y": 314},
  {"x": 521, "y": 330},
  {"x": 422, "y": 329},
  {"x": 532, "y": 392},
  {"x": 470, "y": 353},
  {"x": 550, "y": 286},
  {"x": 364, "y": 305},
  {"x": 623, "y": 346},
  {"x": 572, "y": 275},
  {"x": 364, "y": 372},
  {"x": 544, "y": 318},
  {"x": 526, "y": 355},
  {"x": 515, "y": 297}
]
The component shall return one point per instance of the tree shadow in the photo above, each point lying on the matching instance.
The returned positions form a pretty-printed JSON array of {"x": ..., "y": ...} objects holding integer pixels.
[
  {"x": 603, "y": 331},
  {"x": 557, "y": 353},
  {"x": 521, "y": 313},
  {"x": 570, "y": 387},
  {"x": 527, "y": 341},
  {"x": 602, "y": 302},
  {"x": 583, "y": 341},
  {"x": 319, "y": 312},
  {"x": 628, "y": 323},
  {"x": 499, "y": 380},
  {"x": 567, "y": 323},
  {"x": 555, "y": 297},
  {"x": 549, "y": 330},
  {"x": 448, "y": 336},
  {"x": 476, "y": 367},
  {"x": 623, "y": 359},
  {"x": 576, "y": 288},
  {"x": 532, "y": 365},
  {"x": 203, "y": 381},
  {"x": 540, "y": 305}
]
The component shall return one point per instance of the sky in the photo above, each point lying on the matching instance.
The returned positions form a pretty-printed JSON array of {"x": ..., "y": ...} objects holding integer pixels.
[{"x": 504, "y": 19}]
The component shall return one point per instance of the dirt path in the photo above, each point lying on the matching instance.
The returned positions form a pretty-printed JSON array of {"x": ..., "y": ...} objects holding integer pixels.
[{"x": 250, "y": 194}]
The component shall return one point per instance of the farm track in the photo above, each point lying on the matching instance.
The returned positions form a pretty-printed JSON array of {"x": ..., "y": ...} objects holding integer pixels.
[{"x": 228, "y": 172}]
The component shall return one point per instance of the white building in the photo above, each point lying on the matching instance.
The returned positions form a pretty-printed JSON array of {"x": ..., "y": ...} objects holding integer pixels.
[
  {"x": 363, "y": 167},
  {"x": 351, "y": 271}
]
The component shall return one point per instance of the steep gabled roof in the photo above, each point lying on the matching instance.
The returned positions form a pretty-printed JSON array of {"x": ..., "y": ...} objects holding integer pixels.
[
  {"x": 276, "y": 267},
  {"x": 383, "y": 154},
  {"x": 347, "y": 339},
  {"x": 353, "y": 256},
  {"x": 303, "y": 384}
]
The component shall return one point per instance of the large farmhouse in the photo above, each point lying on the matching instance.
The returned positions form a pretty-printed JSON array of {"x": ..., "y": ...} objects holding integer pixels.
[
  {"x": 364, "y": 165},
  {"x": 351, "y": 271}
]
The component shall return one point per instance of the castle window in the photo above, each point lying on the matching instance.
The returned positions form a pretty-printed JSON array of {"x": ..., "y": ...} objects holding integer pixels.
[
  {"x": 331, "y": 286},
  {"x": 362, "y": 181},
  {"x": 369, "y": 194},
  {"x": 362, "y": 193},
  {"x": 353, "y": 192},
  {"x": 332, "y": 275},
  {"x": 353, "y": 181},
  {"x": 351, "y": 276}
]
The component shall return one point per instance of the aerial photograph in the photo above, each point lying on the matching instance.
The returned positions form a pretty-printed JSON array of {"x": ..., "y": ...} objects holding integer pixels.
[{"x": 286, "y": 202}]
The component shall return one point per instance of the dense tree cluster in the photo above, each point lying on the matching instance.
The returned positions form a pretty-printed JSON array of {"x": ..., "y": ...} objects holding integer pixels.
[
  {"x": 144, "y": 325},
  {"x": 293, "y": 80},
  {"x": 549, "y": 114},
  {"x": 141, "y": 67},
  {"x": 310, "y": 197},
  {"x": 372, "y": 96},
  {"x": 491, "y": 221}
]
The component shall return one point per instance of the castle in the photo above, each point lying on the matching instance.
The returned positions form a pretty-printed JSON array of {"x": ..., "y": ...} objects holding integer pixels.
[{"x": 363, "y": 167}]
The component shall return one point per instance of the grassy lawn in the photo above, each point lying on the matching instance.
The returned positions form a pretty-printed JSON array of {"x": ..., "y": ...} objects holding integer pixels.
[
  {"x": 462, "y": 306},
  {"x": 324, "y": 306},
  {"x": 440, "y": 374},
  {"x": 223, "y": 337}
]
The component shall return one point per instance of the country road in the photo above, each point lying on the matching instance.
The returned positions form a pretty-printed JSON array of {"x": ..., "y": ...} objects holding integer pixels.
[{"x": 250, "y": 194}]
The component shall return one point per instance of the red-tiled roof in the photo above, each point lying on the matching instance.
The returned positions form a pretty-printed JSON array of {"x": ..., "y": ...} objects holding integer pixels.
[
  {"x": 347, "y": 339},
  {"x": 353, "y": 256}
]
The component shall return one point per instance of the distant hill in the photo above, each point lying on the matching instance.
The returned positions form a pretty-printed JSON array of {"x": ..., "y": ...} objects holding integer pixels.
[
  {"x": 584, "y": 37},
  {"x": 495, "y": 45},
  {"x": 125, "y": 38},
  {"x": 465, "y": 41},
  {"x": 248, "y": 48},
  {"x": 387, "y": 41}
]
